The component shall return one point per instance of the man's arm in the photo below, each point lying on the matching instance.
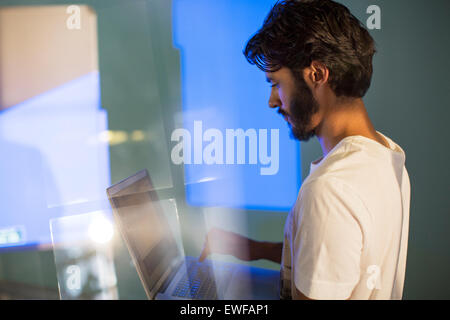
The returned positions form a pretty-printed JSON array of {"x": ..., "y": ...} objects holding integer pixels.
[
  {"x": 268, "y": 250},
  {"x": 272, "y": 251},
  {"x": 330, "y": 212},
  {"x": 226, "y": 242},
  {"x": 243, "y": 248},
  {"x": 299, "y": 296}
]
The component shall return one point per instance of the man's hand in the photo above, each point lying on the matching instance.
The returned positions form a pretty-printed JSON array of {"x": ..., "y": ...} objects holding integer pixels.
[
  {"x": 243, "y": 248},
  {"x": 226, "y": 242}
]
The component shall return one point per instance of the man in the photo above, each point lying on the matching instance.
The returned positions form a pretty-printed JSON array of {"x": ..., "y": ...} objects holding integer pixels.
[{"x": 346, "y": 236}]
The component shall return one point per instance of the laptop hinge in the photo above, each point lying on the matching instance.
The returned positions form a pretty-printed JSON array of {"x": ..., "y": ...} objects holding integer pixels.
[{"x": 164, "y": 282}]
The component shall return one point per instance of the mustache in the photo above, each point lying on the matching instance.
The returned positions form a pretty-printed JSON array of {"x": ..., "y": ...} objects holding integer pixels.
[{"x": 282, "y": 112}]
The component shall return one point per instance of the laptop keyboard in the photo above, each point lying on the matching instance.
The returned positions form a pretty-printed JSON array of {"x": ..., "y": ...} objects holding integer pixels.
[{"x": 198, "y": 282}]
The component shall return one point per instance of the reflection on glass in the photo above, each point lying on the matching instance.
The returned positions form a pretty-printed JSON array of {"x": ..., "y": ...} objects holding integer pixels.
[
  {"x": 147, "y": 230},
  {"x": 83, "y": 254},
  {"x": 50, "y": 120}
]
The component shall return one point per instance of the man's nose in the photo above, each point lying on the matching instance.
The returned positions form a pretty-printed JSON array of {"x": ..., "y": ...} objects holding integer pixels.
[
  {"x": 273, "y": 104},
  {"x": 274, "y": 101}
]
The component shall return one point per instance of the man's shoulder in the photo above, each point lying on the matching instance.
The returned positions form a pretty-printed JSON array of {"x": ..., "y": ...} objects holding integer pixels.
[
  {"x": 328, "y": 197},
  {"x": 341, "y": 181},
  {"x": 326, "y": 186},
  {"x": 347, "y": 168}
]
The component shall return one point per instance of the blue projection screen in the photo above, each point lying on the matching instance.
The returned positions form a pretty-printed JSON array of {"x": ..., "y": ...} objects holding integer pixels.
[{"x": 222, "y": 92}]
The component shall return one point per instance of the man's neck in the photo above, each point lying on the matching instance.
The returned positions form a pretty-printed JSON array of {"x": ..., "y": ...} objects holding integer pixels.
[{"x": 343, "y": 120}]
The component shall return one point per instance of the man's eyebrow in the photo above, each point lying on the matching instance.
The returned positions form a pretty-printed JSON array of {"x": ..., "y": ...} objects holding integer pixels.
[{"x": 269, "y": 80}]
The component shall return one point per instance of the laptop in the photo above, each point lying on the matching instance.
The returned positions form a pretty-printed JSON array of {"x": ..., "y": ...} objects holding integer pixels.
[{"x": 163, "y": 269}]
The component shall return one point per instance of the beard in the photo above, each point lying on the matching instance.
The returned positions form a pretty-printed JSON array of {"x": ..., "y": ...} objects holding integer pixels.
[{"x": 302, "y": 107}]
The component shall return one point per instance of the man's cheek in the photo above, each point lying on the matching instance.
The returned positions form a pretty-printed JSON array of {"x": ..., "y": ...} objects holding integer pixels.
[
  {"x": 315, "y": 120},
  {"x": 284, "y": 103}
]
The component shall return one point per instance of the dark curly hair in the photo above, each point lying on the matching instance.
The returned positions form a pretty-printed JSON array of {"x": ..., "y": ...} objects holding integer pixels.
[{"x": 296, "y": 32}]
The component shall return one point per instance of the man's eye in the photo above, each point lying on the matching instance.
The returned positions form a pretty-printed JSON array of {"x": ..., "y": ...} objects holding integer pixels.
[{"x": 274, "y": 85}]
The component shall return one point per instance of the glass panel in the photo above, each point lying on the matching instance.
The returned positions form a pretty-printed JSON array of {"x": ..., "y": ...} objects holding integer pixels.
[{"x": 83, "y": 252}]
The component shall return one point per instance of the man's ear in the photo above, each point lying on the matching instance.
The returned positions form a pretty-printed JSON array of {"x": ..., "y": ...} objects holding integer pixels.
[{"x": 319, "y": 73}]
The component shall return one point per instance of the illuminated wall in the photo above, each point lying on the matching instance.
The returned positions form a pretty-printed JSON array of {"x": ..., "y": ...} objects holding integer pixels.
[{"x": 52, "y": 127}]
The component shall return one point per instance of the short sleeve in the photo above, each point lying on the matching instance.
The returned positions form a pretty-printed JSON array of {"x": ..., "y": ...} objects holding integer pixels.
[{"x": 327, "y": 240}]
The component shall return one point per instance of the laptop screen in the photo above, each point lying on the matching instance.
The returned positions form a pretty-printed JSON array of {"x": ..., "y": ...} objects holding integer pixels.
[{"x": 145, "y": 228}]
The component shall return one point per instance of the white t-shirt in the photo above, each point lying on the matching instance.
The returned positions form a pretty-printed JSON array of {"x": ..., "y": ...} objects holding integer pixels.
[{"x": 347, "y": 234}]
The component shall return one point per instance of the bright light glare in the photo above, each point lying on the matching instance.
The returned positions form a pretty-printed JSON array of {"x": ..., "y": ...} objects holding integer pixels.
[{"x": 101, "y": 230}]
